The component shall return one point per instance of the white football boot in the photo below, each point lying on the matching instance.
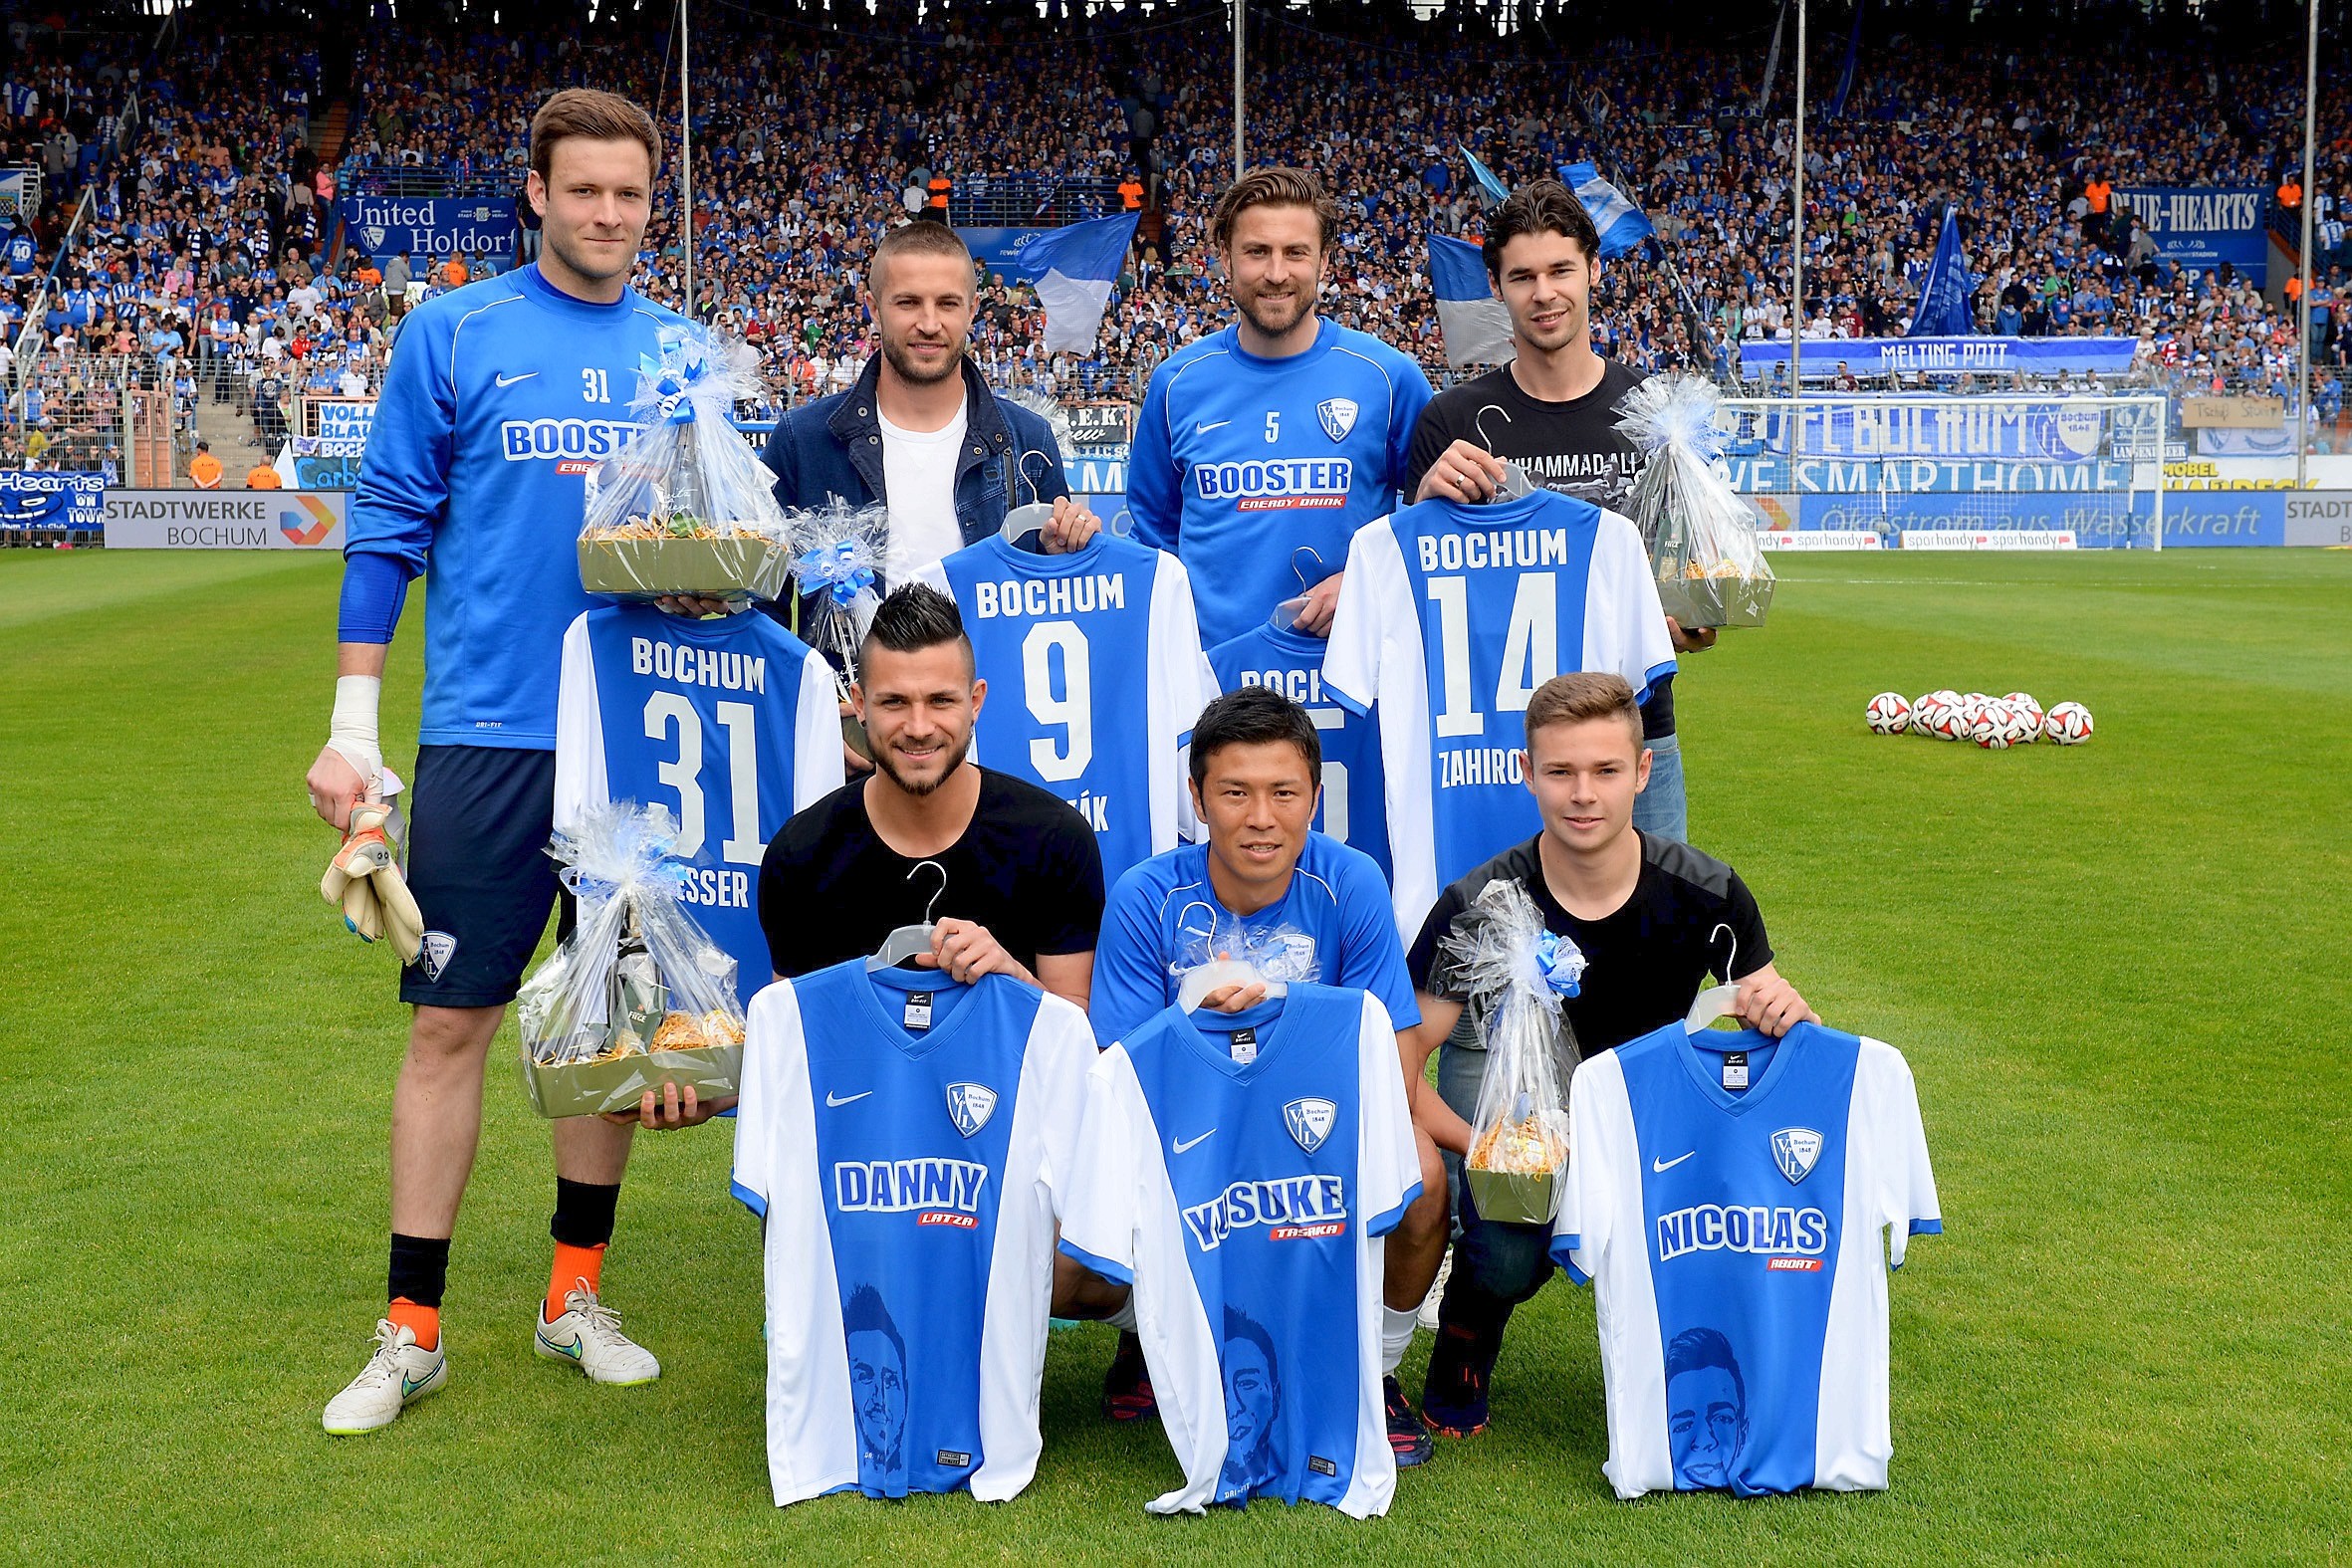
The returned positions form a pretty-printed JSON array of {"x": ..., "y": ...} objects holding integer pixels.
[
  {"x": 588, "y": 1334},
  {"x": 1437, "y": 1291},
  {"x": 398, "y": 1375}
]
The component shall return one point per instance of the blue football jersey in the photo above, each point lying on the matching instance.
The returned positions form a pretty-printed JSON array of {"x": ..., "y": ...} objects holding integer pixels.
[
  {"x": 1354, "y": 808},
  {"x": 731, "y": 723},
  {"x": 1450, "y": 618},
  {"x": 501, "y": 397},
  {"x": 1727, "y": 1196},
  {"x": 909, "y": 1142},
  {"x": 1065, "y": 643},
  {"x": 1333, "y": 926},
  {"x": 1240, "y": 1171},
  {"x": 1256, "y": 472}
]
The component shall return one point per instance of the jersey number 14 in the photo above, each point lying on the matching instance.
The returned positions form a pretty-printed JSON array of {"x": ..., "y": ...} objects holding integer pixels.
[{"x": 1530, "y": 650}]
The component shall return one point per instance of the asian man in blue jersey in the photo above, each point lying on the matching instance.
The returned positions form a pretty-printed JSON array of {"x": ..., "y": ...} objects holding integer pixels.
[
  {"x": 1269, "y": 890},
  {"x": 501, "y": 397},
  {"x": 1261, "y": 449}
]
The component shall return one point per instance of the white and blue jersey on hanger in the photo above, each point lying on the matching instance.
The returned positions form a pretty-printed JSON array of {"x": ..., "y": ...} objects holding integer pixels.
[
  {"x": 1727, "y": 1196},
  {"x": 1240, "y": 1171},
  {"x": 909, "y": 1142},
  {"x": 1449, "y": 619},
  {"x": 732, "y": 723},
  {"x": 1256, "y": 471},
  {"x": 1355, "y": 807},
  {"x": 1067, "y": 645}
]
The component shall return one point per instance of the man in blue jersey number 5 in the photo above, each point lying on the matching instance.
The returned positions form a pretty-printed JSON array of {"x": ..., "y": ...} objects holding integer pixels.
[
  {"x": 1262, "y": 449},
  {"x": 501, "y": 397}
]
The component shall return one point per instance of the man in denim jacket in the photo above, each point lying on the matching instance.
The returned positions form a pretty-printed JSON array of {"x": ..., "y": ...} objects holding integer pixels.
[{"x": 921, "y": 430}]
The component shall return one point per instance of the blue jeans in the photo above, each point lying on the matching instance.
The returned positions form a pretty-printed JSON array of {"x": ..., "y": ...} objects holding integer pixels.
[
  {"x": 1662, "y": 810},
  {"x": 1495, "y": 1265}
]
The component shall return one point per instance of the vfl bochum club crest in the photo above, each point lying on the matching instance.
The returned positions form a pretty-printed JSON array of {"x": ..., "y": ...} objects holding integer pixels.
[
  {"x": 1338, "y": 416},
  {"x": 1794, "y": 1149},
  {"x": 1310, "y": 1122},
  {"x": 969, "y": 1106}
]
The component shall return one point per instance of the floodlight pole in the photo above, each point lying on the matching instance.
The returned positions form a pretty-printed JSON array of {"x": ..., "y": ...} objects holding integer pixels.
[
  {"x": 1241, "y": 13},
  {"x": 1797, "y": 267},
  {"x": 2302, "y": 409},
  {"x": 686, "y": 149}
]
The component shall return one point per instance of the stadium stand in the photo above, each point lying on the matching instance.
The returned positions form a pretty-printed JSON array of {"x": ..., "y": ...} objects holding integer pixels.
[{"x": 208, "y": 266}]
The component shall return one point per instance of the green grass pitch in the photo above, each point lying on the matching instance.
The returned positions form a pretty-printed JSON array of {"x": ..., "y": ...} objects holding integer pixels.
[{"x": 2119, "y": 972}]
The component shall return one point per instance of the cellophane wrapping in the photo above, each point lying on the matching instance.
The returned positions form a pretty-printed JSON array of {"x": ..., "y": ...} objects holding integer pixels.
[
  {"x": 1516, "y": 975},
  {"x": 837, "y": 554},
  {"x": 686, "y": 507},
  {"x": 638, "y": 996},
  {"x": 1705, "y": 549}
]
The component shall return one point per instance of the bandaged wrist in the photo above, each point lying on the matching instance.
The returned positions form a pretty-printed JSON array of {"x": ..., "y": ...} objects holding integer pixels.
[{"x": 352, "y": 731}]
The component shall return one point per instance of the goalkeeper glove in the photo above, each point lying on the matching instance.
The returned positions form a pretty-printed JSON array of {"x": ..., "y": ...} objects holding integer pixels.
[{"x": 363, "y": 880}]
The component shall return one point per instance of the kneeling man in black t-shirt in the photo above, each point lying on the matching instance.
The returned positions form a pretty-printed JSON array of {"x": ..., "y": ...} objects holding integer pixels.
[
  {"x": 1653, "y": 918},
  {"x": 1010, "y": 873}
]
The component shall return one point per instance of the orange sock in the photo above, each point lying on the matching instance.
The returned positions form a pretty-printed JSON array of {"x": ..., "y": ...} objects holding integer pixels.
[
  {"x": 422, "y": 1321},
  {"x": 573, "y": 1264}
]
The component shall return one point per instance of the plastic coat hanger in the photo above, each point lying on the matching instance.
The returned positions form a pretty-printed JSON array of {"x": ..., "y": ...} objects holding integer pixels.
[{"x": 908, "y": 941}]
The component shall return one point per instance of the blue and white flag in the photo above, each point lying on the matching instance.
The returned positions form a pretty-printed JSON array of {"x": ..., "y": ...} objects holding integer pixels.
[
  {"x": 1943, "y": 292},
  {"x": 1845, "y": 78},
  {"x": 1074, "y": 269},
  {"x": 1619, "y": 221},
  {"x": 1476, "y": 325},
  {"x": 1489, "y": 185},
  {"x": 1763, "y": 97}
]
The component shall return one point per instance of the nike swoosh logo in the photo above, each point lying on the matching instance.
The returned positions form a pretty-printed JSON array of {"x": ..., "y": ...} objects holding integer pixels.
[
  {"x": 409, "y": 1385},
  {"x": 1201, "y": 429},
  {"x": 1656, "y": 1164},
  {"x": 509, "y": 380},
  {"x": 572, "y": 1350},
  {"x": 1187, "y": 1143},
  {"x": 844, "y": 1099}
]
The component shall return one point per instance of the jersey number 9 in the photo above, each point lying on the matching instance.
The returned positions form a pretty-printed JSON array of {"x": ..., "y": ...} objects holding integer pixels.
[{"x": 1072, "y": 709}]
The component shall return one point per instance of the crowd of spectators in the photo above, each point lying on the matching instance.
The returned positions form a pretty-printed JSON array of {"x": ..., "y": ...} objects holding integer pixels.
[{"x": 204, "y": 265}]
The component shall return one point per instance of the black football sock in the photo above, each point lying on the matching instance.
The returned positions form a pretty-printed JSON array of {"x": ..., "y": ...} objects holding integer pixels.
[
  {"x": 583, "y": 1212},
  {"x": 419, "y": 1270}
]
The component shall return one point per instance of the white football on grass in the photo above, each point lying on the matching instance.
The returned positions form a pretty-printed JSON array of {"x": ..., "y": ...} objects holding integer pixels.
[{"x": 2068, "y": 724}]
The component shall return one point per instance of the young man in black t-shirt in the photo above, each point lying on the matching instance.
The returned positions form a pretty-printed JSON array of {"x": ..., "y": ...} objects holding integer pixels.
[
  {"x": 1653, "y": 919},
  {"x": 1553, "y": 411},
  {"x": 1021, "y": 893}
]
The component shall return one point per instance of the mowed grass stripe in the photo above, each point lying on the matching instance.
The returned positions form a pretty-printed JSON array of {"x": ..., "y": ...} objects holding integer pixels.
[{"x": 2109, "y": 968}]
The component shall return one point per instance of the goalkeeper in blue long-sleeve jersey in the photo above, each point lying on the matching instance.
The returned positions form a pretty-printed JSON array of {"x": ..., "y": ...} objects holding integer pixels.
[
  {"x": 1261, "y": 449},
  {"x": 501, "y": 397}
]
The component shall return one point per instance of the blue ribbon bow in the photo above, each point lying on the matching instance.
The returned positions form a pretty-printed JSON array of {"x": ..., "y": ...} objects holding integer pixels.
[
  {"x": 834, "y": 570},
  {"x": 673, "y": 383},
  {"x": 1562, "y": 962}
]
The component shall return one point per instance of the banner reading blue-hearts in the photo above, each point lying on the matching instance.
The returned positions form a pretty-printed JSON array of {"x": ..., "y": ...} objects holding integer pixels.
[
  {"x": 1866, "y": 356},
  {"x": 430, "y": 226},
  {"x": 62, "y": 502},
  {"x": 2203, "y": 226}
]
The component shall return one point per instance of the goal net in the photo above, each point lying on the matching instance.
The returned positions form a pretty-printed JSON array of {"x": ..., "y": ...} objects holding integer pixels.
[{"x": 2028, "y": 469}]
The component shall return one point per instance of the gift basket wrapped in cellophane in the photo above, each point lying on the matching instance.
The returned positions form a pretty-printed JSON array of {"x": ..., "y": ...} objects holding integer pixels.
[
  {"x": 686, "y": 507},
  {"x": 1705, "y": 549},
  {"x": 1516, "y": 975},
  {"x": 837, "y": 551},
  {"x": 637, "y": 997}
]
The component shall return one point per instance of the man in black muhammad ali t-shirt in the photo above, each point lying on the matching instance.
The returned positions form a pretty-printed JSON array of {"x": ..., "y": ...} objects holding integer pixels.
[{"x": 1553, "y": 410}]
